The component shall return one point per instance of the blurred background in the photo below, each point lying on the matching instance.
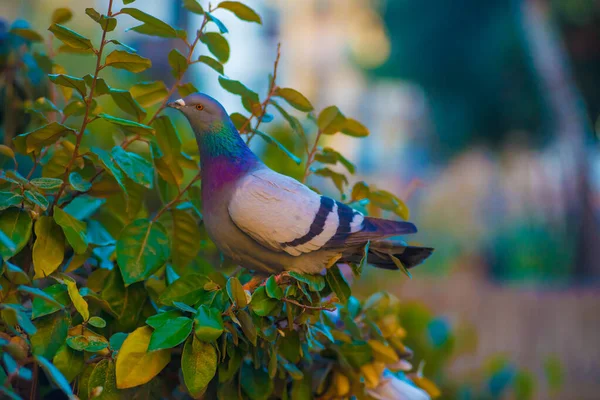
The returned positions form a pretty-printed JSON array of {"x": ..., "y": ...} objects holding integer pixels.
[{"x": 484, "y": 118}]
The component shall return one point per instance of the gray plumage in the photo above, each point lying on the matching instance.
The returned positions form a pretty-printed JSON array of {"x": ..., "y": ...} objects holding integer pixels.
[{"x": 270, "y": 222}]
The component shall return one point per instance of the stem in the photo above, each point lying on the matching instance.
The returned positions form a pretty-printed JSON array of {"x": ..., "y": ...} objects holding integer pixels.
[
  {"x": 177, "y": 198},
  {"x": 304, "y": 306},
  {"x": 311, "y": 156},
  {"x": 264, "y": 104},
  {"x": 85, "y": 121}
]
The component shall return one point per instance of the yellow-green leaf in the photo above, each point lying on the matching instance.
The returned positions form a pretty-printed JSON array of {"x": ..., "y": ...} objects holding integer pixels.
[
  {"x": 135, "y": 365},
  {"x": 193, "y": 6},
  {"x": 70, "y": 82},
  {"x": 49, "y": 247},
  {"x": 186, "y": 89},
  {"x": 74, "y": 230},
  {"x": 70, "y": 37},
  {"x": 178, "y": 63},
  {"x": 108, "y": 24},
  {"x": 149, "y": 93},
  {"x": 142, "y": 248},
  {"x": 127, "y": 103},
  {"x": 128, "y": 127},
  {"x": 151, "y": 25},
  {"x": 78, "y": 301},
  {"x": 185, "y": 244},
  {"x": 241, "y": 11},
  {"x": 217, "y": 45},
  {"x": 15, "y": 225},
  {"x": 354, "y": 128},
  {"x": 331, "y": 120},
  {"x": 236, "y": 292},
  {"x": 28, "y": 34},
  {"x": 61, "y": 15},
  {"x": 211, "y": 62},
  {"x": 198, "y": 364},
  {"x": 129, "y": 61},
  {"x": 294, "y": 98},
  {"x": 44, "y": 136}
]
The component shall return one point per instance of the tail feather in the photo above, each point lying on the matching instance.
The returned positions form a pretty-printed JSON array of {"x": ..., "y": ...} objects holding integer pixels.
[
  {"x": 380, "y": 251},
  {"x": 374, "y": 229}
]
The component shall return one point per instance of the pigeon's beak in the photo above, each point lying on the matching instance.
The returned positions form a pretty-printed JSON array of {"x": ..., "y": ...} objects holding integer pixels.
[{"x": 176, "y": 104}]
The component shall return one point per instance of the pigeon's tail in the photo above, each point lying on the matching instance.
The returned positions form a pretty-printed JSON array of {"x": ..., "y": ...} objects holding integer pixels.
[{"x": 387, "y": 253}]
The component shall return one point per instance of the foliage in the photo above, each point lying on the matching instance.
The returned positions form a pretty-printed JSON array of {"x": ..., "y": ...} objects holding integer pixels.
[{"x": 113, "y": 296}]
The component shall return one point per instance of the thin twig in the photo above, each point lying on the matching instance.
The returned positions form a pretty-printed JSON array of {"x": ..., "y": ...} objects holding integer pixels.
[
  {"x": 88, "y": 104},
  {"x": 177, "y": 198},
  {"x": 311, "y": 156},
  {"x": 304, "y": 306},
  {"x": 272, "y": 89}
]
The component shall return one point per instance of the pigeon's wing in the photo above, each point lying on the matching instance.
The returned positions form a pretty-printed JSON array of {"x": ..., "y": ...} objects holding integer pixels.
[{"x": 284, "y": 215}]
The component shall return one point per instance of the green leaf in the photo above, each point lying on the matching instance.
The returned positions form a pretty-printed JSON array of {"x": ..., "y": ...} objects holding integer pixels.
[
  {"x": 15, "y": 225},
  {"x": 41, "y": 307},
  {"x": 69, "y": 362},
  {"x": 364, "y": 261},
  {"x": 193, "y": 6},
  {"x": 211, "y": 62},
  {"x": 61, "y": 15},
  {"x": 316, "y": 283},
  {"x": 108, "y": 24},
  {"x": 294, "y": 99},
  {"x": 70, "y": 38},
  {"x": 109, "y": 166},
  {"x": 330, "y": 156},
  {"x": 128, "y": 127},
  {"x": 116, "y": 340},
  {"x": 331, "y": 120},
  {"x": 101, "y": 87},
  {"x": 142, "y": 248},
  {"x": 50, "y": 335},
  {"x": 97, "y": 322},
  {"x": 78, "y": 301},
  {"x": 55, "y": 376},
  {"x": 178, "y": 63},
  {"x": 261, "y": 304},
  {"x": 357, "y": 353},
  {"x": 37, "y": 199},
  {"x": 135, "y": 365},
  {"x": 360, "y": 191},
  {"x": 387, "y": 201},
  {"x": 256, "y": 382},
  {"x": 199, "y": 365},
  {"x": 186, "y": 290},
  {"x": 28, "y": 34},
  {"x": 75, "y": 231},
  {"x": 40, "y": 294},
  {"x": 89, "y": 343},
  {"x": 241, "y": 11},
  {"x": 247, "y": 326},
  {"x": 338, "y": 179},
  {"x": 237, "y": 87},
  {"x": 185, "y": 244},
  {"x": 400, "y": 266},
  {"x": 217, "y": 45},
  {"x": 42, "y": 104},
  {"x": 338, "y": 284},
  {"x": 236, "y": 292},
  {"x": 46, "y": 183},
  {"x": 9, "y": 199},
  {"x": 218, "y": 22},
  {"x": 280, "y": 146},
  {"x": 43, "y": 136},
  {"x": 49, "y": 247},
  {"x": 104, "y": 376},
  {"x": 70, "y": 82},
  {"x": 149, "y": 93},
  {"x": 135, "y": 167},
  {"x": 170, "y": 334},
  {"x": 151, "y": 26},
  {"x": 186, "y": 89},
  {"x": 78, "y": 183},
  {"x": 158, "y": 320},
  {"x": 127, "y": 103},
  {"x": 274, "y": 291},
  {"x": 354, "y": 128},
  {"x": 208, "y": 324},
  {"x": 129, "y": 61}
]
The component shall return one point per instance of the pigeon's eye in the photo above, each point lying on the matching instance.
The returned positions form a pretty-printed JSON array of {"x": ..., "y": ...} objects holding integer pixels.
[{"x": 199, "y": 107}]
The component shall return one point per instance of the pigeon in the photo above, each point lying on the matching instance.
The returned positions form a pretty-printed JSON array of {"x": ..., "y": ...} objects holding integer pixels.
[{"x": 273, "y": 224}]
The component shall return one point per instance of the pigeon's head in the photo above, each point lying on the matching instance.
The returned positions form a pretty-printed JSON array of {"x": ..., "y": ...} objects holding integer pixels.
[{"x": 204, "y": 113}]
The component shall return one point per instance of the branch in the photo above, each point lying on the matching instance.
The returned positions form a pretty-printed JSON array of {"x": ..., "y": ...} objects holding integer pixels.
[
  {"x": 88, "y": 103},
  {"x": 264, "y": 104},
  {"x": 311, "y": 156},
  {"x": 304, "y": 306},
  {"x": 177, "y": 198}
]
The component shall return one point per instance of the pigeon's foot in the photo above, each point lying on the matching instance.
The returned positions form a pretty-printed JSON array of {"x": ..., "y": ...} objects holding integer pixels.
[{"x": 253, "y": 283}]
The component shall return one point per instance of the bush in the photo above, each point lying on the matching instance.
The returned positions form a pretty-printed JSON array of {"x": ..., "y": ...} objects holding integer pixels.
[{"x": 107, "y": 278}]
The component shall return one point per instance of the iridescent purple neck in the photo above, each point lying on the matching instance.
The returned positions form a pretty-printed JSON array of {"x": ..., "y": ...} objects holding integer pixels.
[{"x": 224, "y": 156}]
